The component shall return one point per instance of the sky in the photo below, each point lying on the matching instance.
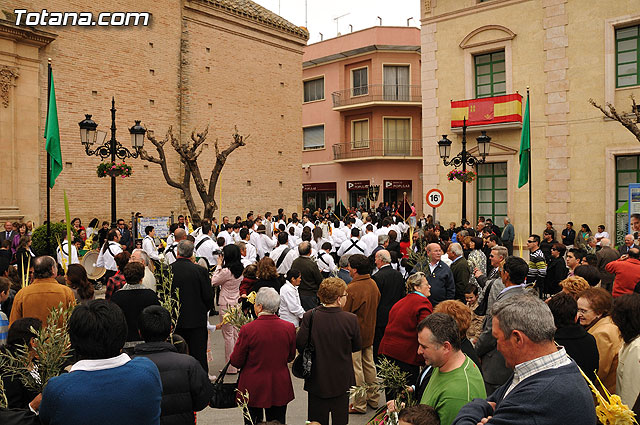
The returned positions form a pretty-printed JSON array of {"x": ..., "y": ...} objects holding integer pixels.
[{"x": 361, "y": 14}]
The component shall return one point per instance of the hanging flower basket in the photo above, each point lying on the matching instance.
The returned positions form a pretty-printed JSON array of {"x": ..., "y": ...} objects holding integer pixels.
[
  {"x": 464, "y": 176},
  {"x": 111, "y": 169}
]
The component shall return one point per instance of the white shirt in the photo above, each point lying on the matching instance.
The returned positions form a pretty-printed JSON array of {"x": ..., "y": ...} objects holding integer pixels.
[
  {"x": 325, "y": 262},
  {"x": 170, "y": 239},
  {"x": 384, "y": 230},
  {"x": 228, "y": 239},
  {"x": 290, "y": 308},
  {"x": 206, "y": 245},
  {"x": 171, "y": 254},
  {"x": 235, "y": 236},
  {"x": 348, "y": 247},
  {"x": 600, "y": 235},
  {"x": 150, "y": 248},
  {"x": 293, "y": 241},
  {"x": 371, "y": 242},
  {"x": 252, "y": 252},
  {"x": 285, "y": 266},
  {"x": 318, "y": 245},
  {"x": 65, "y": 253},
  {"x": 339, "y": 237},
  {"x": 196, "y": 233},
  {"x": 265, "y": 244},
  {"x": 310, "y": 225},
  {"x": 105, "y": 258},
  {"x": 397, "y": 230}
]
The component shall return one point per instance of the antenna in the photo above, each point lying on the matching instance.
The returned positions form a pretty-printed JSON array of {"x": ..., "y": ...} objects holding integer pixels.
[
  {"x": 336, "y": 19},
  {"x": 350, "y": 28},
  {"x": 409, "y": 20},
  {"x": 321, "y": 36},
  {"x": 380, "y": 20}
]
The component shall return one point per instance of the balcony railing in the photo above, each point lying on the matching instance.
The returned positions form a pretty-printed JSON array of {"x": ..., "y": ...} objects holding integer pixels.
[
  {"x": 376, "y": 93},
  {"x": 377, "y": 147}
]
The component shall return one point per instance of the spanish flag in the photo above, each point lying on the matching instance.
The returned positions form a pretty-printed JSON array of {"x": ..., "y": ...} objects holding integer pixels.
[{"x": 487, "y": 110}]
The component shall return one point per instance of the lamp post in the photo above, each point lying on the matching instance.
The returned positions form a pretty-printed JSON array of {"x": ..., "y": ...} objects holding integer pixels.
[
  {"x": 464, "y": 158},
  {"x": 89, "y": 136}
]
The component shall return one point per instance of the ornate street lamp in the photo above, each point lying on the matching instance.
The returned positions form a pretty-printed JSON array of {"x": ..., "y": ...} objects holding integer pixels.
[
  {"x": 464, "y": 158},
  {"x": 89, "y": 136}
]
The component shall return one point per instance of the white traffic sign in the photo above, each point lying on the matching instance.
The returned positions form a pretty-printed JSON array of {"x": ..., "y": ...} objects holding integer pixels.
[{"x": 435, "y": 198}]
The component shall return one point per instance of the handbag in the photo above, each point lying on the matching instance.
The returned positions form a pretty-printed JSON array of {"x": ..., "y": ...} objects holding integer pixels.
[
  {"x": 302, "y": 364},
  {"x": 224, "y": 394}
]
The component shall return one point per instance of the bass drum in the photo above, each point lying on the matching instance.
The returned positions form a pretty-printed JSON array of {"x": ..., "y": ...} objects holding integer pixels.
[{"x": 88, "y": 262}]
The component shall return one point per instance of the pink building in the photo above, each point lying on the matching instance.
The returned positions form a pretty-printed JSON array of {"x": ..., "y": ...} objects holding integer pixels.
[{"x": 361, "y": 118}]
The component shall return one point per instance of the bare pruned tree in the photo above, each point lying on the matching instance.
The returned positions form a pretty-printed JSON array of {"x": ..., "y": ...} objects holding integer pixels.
[
  {"x": 189, "y": 153},
  {"x": 628, "y": 120}
]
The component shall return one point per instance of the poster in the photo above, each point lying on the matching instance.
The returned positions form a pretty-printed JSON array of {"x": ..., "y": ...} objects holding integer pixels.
[{"x": 161, "y": 225}]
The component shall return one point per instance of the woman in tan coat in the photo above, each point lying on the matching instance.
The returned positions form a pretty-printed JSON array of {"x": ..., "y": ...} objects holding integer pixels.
[{"x": 594, "y": 307}]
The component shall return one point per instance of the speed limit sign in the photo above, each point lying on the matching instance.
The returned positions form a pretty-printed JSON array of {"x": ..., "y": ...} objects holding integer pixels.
[{"x": 435, "y": 198}]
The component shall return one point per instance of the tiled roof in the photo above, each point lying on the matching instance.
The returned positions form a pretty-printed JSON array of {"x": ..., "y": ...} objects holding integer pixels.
[{"x": 254, "y": 11}]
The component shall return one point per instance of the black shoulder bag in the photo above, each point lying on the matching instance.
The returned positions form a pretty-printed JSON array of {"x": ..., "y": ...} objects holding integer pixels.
[
  {"x": 302, "y": 364},
  {"x": 224, "y": 393}
]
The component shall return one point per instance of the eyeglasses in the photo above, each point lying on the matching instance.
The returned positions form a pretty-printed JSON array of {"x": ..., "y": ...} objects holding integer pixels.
[
  {"x": 530, "y": 241},
  {"x": 553, "y": 249},
  {"x": 583, "y": 310}
]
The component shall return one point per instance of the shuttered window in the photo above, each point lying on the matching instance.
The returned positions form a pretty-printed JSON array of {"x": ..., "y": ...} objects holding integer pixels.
[{"x": 313, "y": 137}]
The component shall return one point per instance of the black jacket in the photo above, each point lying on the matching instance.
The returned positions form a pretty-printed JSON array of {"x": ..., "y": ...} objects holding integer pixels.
[
  {"x": 195, "y": 293},
  {"x": 461, "y": 275},
  {"x": 132, "y": 302},
  {"x": 442, "y": 285},
  {"x": 185, "y": 385},
  {"x": 556, "y": 272},
  {"x": 392, "y": 288},
  {"x": 581, "y": 347}
]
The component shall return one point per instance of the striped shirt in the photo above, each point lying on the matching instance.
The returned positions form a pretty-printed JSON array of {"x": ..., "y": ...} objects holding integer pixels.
[
  {"x": 540, "y": 364},
  {"x": 537, "y": 268}
]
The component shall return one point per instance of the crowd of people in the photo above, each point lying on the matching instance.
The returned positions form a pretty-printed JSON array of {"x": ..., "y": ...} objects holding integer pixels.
[{"x": 482, "y": 336}]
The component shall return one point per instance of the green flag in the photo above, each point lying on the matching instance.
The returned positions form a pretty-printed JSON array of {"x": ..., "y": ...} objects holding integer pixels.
[
  {"x": 52, "y": 135},
  {"x": 525, "y": 148}
]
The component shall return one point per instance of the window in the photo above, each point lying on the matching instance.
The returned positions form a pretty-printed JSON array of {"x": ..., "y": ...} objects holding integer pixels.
[
  {"x": 360, "y": 86},
  {"x": 313, "y": 137},
  {"x": 396, "y": 83},
  {"x": 397, "y": 136},
  {"x": 491, "y": 191},
  {"x": 627, "y": 56},
  {"x": 490, "y": 74},
  {"x": 360, "y": 138},
  {"x": 627, "y": 171},
  {"x": 314, "y": 90}
]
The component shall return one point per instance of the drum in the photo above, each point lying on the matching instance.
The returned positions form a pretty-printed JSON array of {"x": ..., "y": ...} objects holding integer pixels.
[{"x": 88, "y": 262}]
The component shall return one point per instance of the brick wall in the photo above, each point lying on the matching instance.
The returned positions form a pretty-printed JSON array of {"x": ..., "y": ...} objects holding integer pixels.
[{"x": 158, "y": 74}]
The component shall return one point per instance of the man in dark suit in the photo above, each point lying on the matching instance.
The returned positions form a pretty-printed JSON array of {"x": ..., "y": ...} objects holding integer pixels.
[
  {"x": 604, "y": 257},
  {"x": 494, "y": 370},
  {"x": 8, "y": 233},
  {"x": 460, "y": 269},
  {"x": 439, "y": 276},
  {"x": 628, "y": 244},
  {"x": 392, "y": 288},
  {"x": 126, "y": 239},
  {"x": 196, "y": 299},
  {"x": 310, "y": 274}
]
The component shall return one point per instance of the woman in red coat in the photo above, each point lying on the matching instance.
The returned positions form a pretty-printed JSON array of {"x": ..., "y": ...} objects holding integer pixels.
[
  {"x": 400, "y": 341},
  {"x": 262, "y": 351}
]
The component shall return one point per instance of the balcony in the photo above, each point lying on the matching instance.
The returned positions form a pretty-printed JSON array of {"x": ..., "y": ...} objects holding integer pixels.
[
  {"x": 376, "y": 94},
  {"x": 378, "y": 149}
]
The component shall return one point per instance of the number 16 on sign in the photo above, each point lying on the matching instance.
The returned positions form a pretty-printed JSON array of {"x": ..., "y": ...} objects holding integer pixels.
[{"x": 435, "y": 198}]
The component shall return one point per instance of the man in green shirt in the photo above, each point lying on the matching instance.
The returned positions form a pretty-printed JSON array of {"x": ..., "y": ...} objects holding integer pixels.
[{"x": 456, "y": 380}]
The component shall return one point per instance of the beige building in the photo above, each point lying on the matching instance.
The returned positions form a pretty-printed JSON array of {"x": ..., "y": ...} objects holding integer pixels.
[
  {"x": 224, "y": 63},
  {"x": 566, "y": 52}
]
